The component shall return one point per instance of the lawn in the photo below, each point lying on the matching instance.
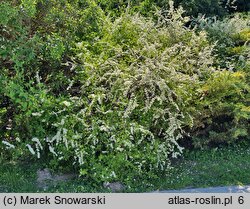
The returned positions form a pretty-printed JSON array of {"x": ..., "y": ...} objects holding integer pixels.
[{"x": 202, "y": 168}]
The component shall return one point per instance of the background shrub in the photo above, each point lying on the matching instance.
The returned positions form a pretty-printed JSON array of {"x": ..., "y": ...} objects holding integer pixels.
[
  {"x": 209, "y": 8},
  {"x": 225, "y": 96}
]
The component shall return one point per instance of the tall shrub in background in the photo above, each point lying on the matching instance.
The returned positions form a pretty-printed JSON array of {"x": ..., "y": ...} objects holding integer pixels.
[
  {"x": 225, "y": 102},
  {"x": 209, "y": 8}
]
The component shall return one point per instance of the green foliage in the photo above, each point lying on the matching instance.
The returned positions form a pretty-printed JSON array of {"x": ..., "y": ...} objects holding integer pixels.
[
  {"x": 55, "y": 47},
  {"x": 207, "y": 7},
  {"x": 192, "y": 8},
  {"x": 83, "y": 89},
  {"x": 19, "y": 47},
  {"x": 145, "y": 7},
  {"x": 29, "y": 7}
]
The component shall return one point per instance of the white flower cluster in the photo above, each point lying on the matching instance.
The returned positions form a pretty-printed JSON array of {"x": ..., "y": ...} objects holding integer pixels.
[{"x": 8, "y": 145}]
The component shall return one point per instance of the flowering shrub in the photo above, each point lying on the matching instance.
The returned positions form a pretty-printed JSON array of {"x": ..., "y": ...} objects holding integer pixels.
[{"x": 127, "y": 118}]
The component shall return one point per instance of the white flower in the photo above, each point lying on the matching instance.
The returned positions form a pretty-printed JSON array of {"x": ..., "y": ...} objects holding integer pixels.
[
  {"x": 36, "y": 114},
  {"x": 38, "y": 155},
  {"x": 38, "y": 142},
  {"x": 113, "y": 174},
  {"x": 66, "y": 103},
  {"x": 51, "y": 149},
  {"x": 30, "y": 149},
  {"x": 8, "y": 144},
  {"x": 60, "y": 158}
]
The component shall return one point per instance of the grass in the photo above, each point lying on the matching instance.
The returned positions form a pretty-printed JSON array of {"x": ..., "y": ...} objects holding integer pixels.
[
  {"x": 216, "y": 167},
  {"x": 202, "y": 168},
  {"x": 17, "y": 178},
  {"x": 21, "y": 177}
]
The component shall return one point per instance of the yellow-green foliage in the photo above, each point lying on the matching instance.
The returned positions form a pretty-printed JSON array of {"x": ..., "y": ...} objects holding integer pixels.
[
  {"x": 224, "y": 112},
  {"x": 243, "y": 35}
]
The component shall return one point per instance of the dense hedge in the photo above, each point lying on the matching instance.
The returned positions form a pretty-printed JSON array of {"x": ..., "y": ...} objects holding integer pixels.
[
  {"x": 114, "y": 95},
  {"x": 192, "y": 8}
]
